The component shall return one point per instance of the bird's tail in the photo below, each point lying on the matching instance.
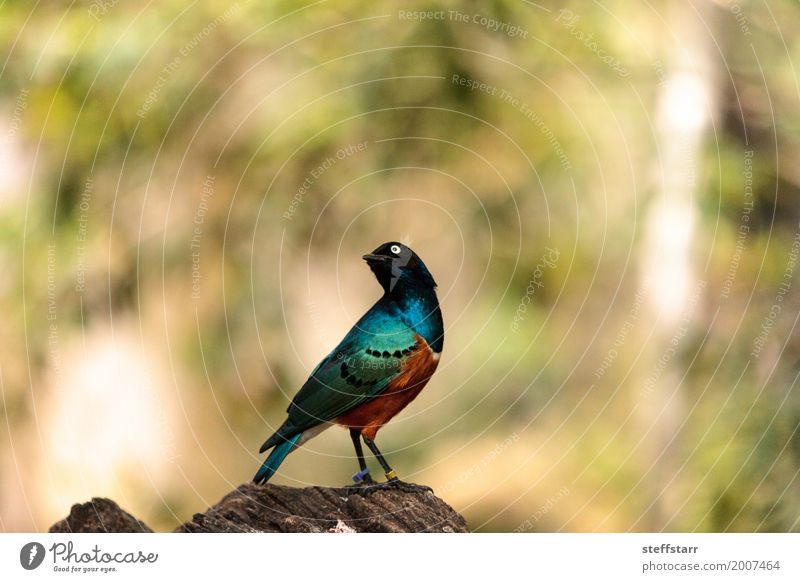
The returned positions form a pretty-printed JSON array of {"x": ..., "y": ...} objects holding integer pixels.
[{"x": 275, "y": 458}]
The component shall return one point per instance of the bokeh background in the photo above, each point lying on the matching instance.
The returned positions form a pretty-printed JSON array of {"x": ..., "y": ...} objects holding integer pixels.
[{"x": 606, "y": 193}]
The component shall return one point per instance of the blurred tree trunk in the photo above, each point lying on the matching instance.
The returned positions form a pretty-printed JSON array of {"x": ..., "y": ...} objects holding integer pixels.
[{"x": 686, "y": 103}]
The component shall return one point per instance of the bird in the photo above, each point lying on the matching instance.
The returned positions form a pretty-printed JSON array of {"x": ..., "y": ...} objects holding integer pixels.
[{"x": 378, "y": 368}]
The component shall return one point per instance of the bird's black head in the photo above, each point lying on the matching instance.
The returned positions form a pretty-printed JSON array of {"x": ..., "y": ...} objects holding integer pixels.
[{"x": 395, "y": 264}]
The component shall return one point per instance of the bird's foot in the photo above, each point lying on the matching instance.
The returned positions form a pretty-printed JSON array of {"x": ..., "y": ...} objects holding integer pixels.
[
  {"x": 393, "y": 483},
  {"x": 363, "y": 478}
]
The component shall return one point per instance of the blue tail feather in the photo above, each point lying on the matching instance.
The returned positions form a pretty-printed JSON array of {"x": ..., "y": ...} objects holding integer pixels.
[{"x": 275, "y": 458}]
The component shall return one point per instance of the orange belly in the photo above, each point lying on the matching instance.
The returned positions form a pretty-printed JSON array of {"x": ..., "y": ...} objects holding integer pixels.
[{"x": 373, "y": 414}]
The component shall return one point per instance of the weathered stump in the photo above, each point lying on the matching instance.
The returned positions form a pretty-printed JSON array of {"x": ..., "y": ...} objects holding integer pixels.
[
  {"x": 275, "y": 508},
  {"x": 99, "y": 515}
]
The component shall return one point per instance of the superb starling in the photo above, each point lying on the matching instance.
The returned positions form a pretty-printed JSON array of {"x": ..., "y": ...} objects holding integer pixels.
[{"x": 380, "y": 366}]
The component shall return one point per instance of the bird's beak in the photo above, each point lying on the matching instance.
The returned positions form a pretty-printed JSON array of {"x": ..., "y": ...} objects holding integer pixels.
[{"x": 375, "y": 258}]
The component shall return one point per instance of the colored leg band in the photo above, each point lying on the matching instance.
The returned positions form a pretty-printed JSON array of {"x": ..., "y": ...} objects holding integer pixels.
[
  {"x": 359, "y": 477},
  {"x": 390, "y": 474}
]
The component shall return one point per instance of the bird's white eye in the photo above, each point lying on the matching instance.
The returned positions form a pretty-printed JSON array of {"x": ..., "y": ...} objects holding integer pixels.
[{"x": 395, "y": 249}]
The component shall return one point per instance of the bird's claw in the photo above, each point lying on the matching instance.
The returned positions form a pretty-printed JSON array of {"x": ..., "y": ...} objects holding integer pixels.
[
  {"x": 393, "y": 483},
  {"x": 408, "y": 487}
]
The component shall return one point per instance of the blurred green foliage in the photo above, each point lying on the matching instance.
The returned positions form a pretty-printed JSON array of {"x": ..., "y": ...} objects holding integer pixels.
[{"x": 198, "y": 313}]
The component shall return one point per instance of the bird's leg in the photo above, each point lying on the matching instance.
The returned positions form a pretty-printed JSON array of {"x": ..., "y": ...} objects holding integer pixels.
[
  {"x": 391, "y": 476},
  {"x": 363, "y": 475}
]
